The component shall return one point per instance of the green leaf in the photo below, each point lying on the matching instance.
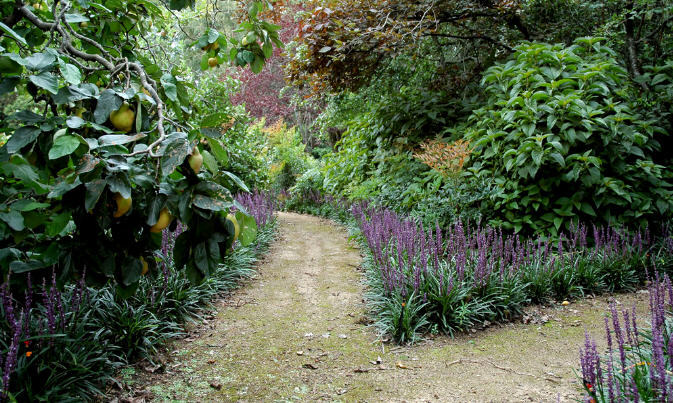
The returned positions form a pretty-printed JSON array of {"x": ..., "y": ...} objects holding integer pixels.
[
  {"x": 214, "y": 120},
  {"x": 23, "y": 267},
  {"x": 201, "y": 258},
  {"x": 237, "y": 181},
  {"x": 75, "y": 18},
  {"x": 210, "y": 162},
  {"x": 13, "y": 34},
  {"x": 14, "y": 219},
  {"x": 75, "y": 122},
  {"x": 45, "y": 80},
  {"x": 219, "y": 152},
  {"x": 254, "y": 9},
  {"x": 94, "y": 189},
  {"x": 248, "y": 228},
  {"x": 257, "y": 65},
  {"x": 120, "y": 183},
  {"x": 63, "y": 145},
  {"x": 107, "y": 103},
  {"x": 118, "y": 139},
  {"x": 22, "y": 170},
  {"x": 558, "y": 158},
  {"x": 57, "y": 224},
  {"x": 170, "y": 87},
  {"x": 28, "y": 205},
  {"x": 587, "y": 209},
  {"x": 71, "y": 73},
  {"x": 204, "y": 62},
  {"x": 22, "y": 137},
  {"x": 176, "y": 152},
  {"x": 209, "y": 203},
  {"x": 131, "y": 269}
]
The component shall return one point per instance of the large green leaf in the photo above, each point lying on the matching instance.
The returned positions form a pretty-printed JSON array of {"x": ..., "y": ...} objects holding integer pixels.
[
  {"x": 170, "y": 87},
  {"x": 46, "y": 81},
  {"x": 107, "y": 103},
  {"x": 237, "y": 181},
  {"x": 176, "y": 152},
  {"x": 22, "y": 137},
  {"x": 71, "y": 73},
  {"x": 63, "y": 145},
  {"x": 131, "y": 269},
  {"x": 210, "y": 203},
  {"x": 94, "y": 189},
  {"x": 219, "y": 152},
  {"x": 13, "y": 34},
  {"x": 14, "y": 219},
  {"x": 248, "y": 228},
  {"x": 118, "y": 139}
]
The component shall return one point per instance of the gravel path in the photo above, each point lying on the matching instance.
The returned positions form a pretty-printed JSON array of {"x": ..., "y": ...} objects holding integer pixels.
[{"x": 297, "y": 333}]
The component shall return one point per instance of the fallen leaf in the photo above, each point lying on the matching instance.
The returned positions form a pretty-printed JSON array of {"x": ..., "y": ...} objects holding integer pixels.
[
  {"x": 309, "y": 366},
  {"x": 343, "y": 336},
  {"x": 400, "y": 365},
  {"x": 211, "y": 361},
  {"x": 360, "y": 370},
  {"x": 300, "y": 353},
  {"x": 216, "y": 385}
]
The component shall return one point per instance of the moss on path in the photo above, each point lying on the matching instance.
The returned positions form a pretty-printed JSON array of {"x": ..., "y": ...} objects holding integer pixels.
[{"x": 295, "y": 334}]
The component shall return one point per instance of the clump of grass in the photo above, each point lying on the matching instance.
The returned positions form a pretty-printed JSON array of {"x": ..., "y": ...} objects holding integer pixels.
[
  {"x": 450, "y": 280},
  {"x": 471, "y": 274},
  {"x": 638, "y": 363}
]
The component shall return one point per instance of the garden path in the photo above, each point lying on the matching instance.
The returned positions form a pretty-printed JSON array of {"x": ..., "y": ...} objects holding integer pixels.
[{"x": 297, "y": 333}]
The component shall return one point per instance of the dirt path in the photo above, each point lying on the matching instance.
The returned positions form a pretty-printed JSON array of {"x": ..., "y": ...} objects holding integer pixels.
[{"x": 295, "y": 334}]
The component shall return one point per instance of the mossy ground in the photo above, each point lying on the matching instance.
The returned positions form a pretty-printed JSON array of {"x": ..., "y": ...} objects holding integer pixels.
[{"x": 295, "y": 334}]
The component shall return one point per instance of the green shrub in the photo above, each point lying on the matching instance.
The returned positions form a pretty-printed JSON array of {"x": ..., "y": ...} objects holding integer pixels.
[
  {"x": 287, "y": 156},
  {"x": 562, "y": 141}
]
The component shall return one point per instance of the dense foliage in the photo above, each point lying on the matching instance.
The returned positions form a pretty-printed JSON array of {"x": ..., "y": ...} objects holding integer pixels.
[
  {"x": 555, "y": 133},
  {"x": 107, "y": 133},
  {"x": 563, "y": 139},
  {"x": 62, "y": 344}
]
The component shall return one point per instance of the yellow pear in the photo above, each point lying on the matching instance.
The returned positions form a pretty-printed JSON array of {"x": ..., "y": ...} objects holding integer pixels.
[
  {"x": 146, "y": 267},
  {"x": 196, "y": 160},
  {"x": 164, "y": 221},
  {"x": 123, "y": 205},
  {"x": 123, "y": 118},
  {"x": 237, "y": 228}
]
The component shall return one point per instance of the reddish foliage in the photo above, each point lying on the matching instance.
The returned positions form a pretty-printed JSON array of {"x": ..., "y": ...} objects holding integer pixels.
[{"x": 261, "y": 93}]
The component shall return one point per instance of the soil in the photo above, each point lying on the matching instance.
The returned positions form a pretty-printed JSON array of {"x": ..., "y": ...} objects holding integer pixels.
[{"x": 298, "y": 332}]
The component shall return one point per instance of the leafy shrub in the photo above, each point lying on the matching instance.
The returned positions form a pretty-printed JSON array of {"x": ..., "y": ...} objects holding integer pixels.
[
  {"x": 288, "y": 158},
  {"x": 563, "y": 141}
]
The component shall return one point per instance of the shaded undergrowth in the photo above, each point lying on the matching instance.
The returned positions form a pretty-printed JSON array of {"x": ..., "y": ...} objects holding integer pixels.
[{"x": 64, "y": 343}]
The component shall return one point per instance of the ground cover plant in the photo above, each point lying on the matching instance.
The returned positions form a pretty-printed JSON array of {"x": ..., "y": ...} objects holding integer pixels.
[
  {"x": 66, "y": 343},
  {"x": 430, "y": 279},
  {"x": 637, "y": 365},
  {"x": 426, "y": 279}
]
